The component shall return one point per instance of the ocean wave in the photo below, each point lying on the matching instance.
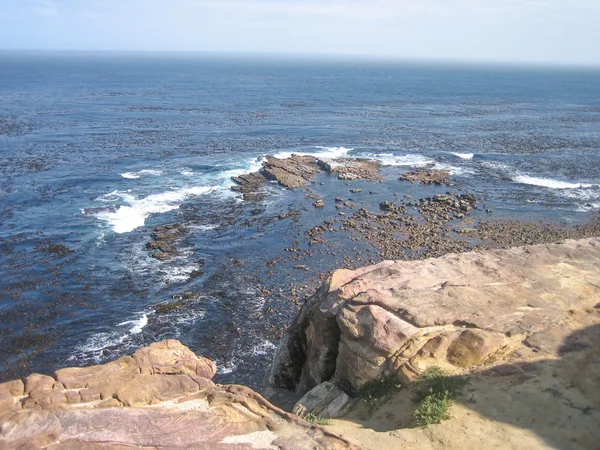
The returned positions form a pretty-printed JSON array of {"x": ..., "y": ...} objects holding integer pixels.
[
  {"x": 389, "y": 159},
  {"x": 463, "y": 155},
  {"x": 264, "y": 348},
  {"x": 324, "y": 152},
  {"x": 454, "y": 170},
  {"x": 550, "y": 183},
  {"x": 136, "y": 325},
  {"x": 139, "y": 174},
  {"x": 129, "y": 217}
]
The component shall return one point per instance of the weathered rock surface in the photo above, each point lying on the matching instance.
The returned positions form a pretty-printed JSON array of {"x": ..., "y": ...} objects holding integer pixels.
[
  {"x": 160, "y": 397},
  {"x": 464, "y": 312},
  {"x": 299, "y": 170},
  {"x": 163, "y": 241},
  {"x": 351, "y": 169},
  {"x": 427, "y": 176}
]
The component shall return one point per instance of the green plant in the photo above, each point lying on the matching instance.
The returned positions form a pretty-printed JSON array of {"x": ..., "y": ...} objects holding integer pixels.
[
  {"x": 433, "y": 409},
  {"x": 376, "y": 390},
  {"x": 316, "y": 420},
  {"x": 434, "y": 391}
]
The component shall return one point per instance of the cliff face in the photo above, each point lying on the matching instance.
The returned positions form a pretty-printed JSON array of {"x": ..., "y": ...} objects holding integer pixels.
[
  {"x": 462, "y": 312},
  {"x": 160, "y": 397}
]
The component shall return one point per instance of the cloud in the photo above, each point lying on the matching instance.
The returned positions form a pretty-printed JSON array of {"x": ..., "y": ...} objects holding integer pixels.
[
  {"x": 46, "y": 8},
  {"x": 378, "y": 9}
]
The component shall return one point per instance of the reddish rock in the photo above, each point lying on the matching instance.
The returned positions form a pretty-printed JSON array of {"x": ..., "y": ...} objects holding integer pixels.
[
  {"x": 162, "y": 397},
  {"x": 460, "y": 311}
]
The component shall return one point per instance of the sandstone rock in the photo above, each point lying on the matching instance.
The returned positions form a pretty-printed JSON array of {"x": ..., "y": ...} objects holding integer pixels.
[
  {"x": 460, "y": 311},
  {"x": 350, "y": 168},
  {"x": 162, "y": 397},
  {"x": 325, "y": 400},
  {"x": 15, "y": 388}
]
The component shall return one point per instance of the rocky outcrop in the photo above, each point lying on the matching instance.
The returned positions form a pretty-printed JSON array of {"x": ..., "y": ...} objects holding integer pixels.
[
  {"x": 160, "y": 397},
  {"x": 427, "y": 176},
  {"x": 299, "y": 170},
  {"x": 463, "y": 312},
  {"x": 351, "y": 169},
  {"x": 163, "y": 239}
]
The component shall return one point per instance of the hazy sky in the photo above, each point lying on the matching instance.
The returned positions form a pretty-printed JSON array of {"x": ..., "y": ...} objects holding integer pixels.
[{"x": 555, "y": 31}]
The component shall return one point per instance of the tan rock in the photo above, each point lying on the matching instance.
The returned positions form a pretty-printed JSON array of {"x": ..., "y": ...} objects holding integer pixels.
[
  {"x": 36, "y": 381},
  {"x": 474, "y": 347},
  {"x": 460, "y": 311},
  {"x": 163, "y": 398},
  {"x": 16, "y": 388}
]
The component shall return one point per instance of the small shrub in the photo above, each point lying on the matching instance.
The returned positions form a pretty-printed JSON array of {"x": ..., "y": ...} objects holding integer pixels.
[
  {"x": 376, "y": 390},
  {"x": 433, "y": 409},
  {"x": 316, "y": 420},
  {"x": 434, "y": 391}
]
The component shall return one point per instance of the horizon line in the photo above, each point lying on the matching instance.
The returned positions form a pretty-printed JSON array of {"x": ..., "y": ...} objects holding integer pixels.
[{"x": 320, "y": 56}]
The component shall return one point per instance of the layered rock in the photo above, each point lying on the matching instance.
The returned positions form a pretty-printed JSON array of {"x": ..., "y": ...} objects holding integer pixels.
[
  {"x": 427, "y": 176},
  {"x": 463, "y": 312},
  {"x": 160, "y": 397},
  {"x": 299, "y": 170}
]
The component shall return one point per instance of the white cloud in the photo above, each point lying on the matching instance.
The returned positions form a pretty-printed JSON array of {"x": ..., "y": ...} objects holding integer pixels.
[{"x": 46, "y": 8}]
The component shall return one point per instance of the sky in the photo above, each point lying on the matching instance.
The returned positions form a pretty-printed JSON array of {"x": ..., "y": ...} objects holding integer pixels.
[{"x": 565, "y": 32}]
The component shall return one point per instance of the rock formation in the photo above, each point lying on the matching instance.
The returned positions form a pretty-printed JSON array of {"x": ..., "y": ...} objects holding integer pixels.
[
  {"x": 299, "y": 170},
  {"x": 478, "y": 311},
  {"x": 160, "y": 397},
  {"x": 427, "y": 176}
]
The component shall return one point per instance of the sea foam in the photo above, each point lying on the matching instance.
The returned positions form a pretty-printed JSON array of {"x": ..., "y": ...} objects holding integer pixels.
[
  {"x": 549, "y": 183},
  {"x": 139, "y": 174},
  {"x": 463, "y": 155},
  {"x": 389, "y": 159},
  {"x": 129, "y": 217}
]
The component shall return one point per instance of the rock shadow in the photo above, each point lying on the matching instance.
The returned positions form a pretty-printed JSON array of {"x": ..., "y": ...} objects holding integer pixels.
[{"x": 556, "y": 398}]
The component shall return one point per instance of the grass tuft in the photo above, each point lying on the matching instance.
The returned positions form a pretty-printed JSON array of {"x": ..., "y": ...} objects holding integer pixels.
[
  {"x": 435, "y": 391},
  {"x": 377, "y": 390},
  {"x": 316, "y": 420}
]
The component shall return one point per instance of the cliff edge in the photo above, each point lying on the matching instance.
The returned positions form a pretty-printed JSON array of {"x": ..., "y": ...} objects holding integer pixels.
[
  {"x": 160, "y": 397},
  {"x": 522, "y": 323}
]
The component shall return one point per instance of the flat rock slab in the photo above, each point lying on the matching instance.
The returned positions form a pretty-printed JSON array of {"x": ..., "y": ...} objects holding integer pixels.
[{"x": 160, "y": 397}]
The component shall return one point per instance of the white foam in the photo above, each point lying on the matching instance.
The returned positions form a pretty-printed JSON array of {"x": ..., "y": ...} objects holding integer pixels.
[
  {"x": 324, "y": 152},
  {"x": 136, "y": 325},
  {"x": 128, "y": 218},
  {"x": 264, "y": 348},
  {"x": 140, "y": 173},
  {"x": 463, "y": 155},
  {"x": 549, "y": 183},
  {"x": 389, "y": 159},
  {"x": 454, "y": 170},
  {"x": 225, "y": 369}
]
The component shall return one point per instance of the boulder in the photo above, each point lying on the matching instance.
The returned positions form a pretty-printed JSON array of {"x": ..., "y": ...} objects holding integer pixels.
[{"x": 325, "y": 400}]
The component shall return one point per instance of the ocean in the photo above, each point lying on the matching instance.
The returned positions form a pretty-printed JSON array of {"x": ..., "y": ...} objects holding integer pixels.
[{"x": 99, "y": 149}]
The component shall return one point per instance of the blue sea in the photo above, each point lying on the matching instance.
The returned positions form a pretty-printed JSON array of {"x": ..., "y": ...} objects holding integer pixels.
[{"x": 96, "y": 150}]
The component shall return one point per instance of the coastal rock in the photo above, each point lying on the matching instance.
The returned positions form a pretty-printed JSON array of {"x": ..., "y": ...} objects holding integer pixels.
[
  {"x": 351, "y": 169},
  {"x": 462, "y": 312},
  {"x": 160, "y": 397},
  {"x": 298, "y": 170},
  {"x": 427, "y": 176},
  {"x": 325, "y": 400},
  {"x": 292, "y": 172},
  {"x": 163, "y": 241}
]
